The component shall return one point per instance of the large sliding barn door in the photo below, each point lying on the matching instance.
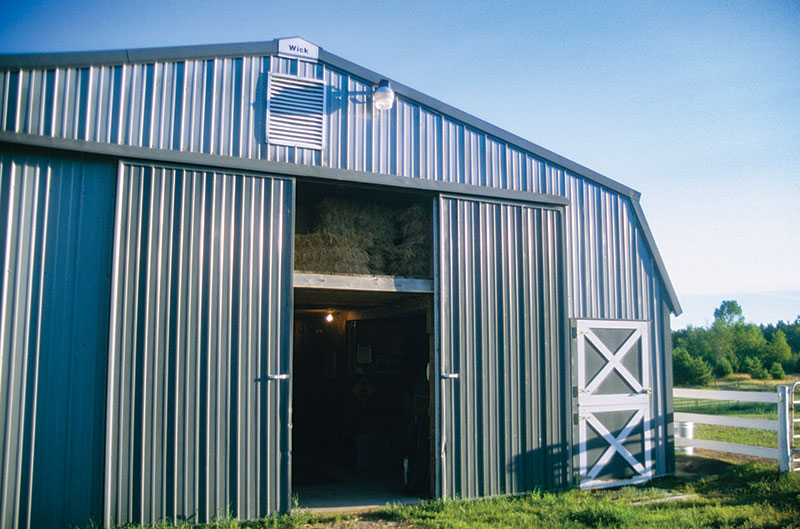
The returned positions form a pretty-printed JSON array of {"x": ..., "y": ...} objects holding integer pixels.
[
  {"x": 201, "y": 319},
  {"x": 614, "y": 393},
  {"x": 502, "y": 387}
]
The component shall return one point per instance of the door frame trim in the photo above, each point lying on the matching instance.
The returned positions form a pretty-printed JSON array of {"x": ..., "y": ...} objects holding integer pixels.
[{"x": 634, "y": 401}]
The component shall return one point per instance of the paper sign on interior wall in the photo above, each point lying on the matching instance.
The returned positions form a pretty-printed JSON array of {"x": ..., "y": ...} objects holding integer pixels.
[{"x": 364, "y": 354}]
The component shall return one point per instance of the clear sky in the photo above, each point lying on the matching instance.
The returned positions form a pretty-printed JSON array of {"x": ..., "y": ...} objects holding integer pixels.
[{"x": 695, "y": 104}]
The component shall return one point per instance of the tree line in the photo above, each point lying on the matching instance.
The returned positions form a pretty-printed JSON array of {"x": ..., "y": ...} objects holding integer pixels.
[{"x": 730, "y": 345}]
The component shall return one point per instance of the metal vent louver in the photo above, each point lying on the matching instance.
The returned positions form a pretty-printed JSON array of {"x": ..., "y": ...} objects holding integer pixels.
[{"x": 295, "y": 111}]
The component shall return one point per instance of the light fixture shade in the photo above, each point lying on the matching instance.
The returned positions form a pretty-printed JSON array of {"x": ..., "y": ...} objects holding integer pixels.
[{"x": 383, "y": 97}]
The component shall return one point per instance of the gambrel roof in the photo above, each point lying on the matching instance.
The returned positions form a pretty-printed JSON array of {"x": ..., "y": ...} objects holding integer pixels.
[{"x": 207, "y": 105}]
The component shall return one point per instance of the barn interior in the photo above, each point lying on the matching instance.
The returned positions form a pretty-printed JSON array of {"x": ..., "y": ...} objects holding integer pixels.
[{"x": 363, "y": 327}]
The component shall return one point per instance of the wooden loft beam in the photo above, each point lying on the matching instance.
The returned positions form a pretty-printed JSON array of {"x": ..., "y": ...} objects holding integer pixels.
[{"x": 364, "y": 282}]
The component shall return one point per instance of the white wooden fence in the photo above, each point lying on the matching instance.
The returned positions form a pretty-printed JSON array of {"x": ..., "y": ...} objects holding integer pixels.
[{"x": 783, "y": 426}]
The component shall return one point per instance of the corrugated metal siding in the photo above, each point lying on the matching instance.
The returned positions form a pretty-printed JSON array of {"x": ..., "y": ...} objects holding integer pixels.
[
  {"x": 218, "y": 106},
  {"x": 202, "y": 313},
  {"x": 56, "y": 217},
  {"x": 502, "y": 331}
]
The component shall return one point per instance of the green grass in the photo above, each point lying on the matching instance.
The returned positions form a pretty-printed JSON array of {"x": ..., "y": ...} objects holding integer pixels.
[
  {"x": 744, "y": 382},
  {"x": 747, "y": 496},
  {"x": 744, "y": 436},
  {"x": 298, "y": 519},
  {"x": 753, "y": 410}
]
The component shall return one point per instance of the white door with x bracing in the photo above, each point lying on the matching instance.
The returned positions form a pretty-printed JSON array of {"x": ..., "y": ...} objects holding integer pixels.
[{"x": 614, "y": 426}]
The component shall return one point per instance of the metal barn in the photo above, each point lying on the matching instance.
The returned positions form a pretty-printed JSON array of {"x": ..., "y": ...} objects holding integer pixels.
[{"x": 231, "y": 273}]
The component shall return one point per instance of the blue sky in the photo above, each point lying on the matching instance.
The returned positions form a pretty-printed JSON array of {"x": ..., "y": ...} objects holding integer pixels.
[{"x": 695, "y": 104}]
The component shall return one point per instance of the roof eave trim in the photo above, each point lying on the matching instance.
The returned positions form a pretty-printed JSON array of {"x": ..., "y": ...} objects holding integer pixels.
[
  {"x": 136, "y": 55},
  {"x": 672, "y": 297},
  {"x": 156, "y": 156},
  {"x": 479, "y": 124},
  {"x": 270, "y": 47}
]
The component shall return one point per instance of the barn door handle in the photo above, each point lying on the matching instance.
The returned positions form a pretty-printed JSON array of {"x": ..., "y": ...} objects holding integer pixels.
[
  {"x": 282, "y": 376},
  {"x": 449, "y": 376}
]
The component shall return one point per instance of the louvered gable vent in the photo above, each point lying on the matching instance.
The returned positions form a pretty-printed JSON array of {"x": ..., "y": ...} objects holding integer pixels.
[{"x": 296, "y": 111}]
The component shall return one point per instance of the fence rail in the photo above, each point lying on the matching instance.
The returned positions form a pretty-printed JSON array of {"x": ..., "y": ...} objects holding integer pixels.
[
  {"x": 725, "y": 420},
  {"x": 740, "y": 396},
  {"x": 784, "y": 426},
  {"x": 731, "y": 448}
]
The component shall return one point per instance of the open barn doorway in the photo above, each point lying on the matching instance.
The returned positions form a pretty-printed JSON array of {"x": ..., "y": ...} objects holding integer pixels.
[{"x": 363, "y": 345}]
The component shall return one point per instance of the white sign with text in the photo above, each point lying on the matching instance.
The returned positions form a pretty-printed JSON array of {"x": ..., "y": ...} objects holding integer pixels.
[{"x": 297, "y": 47}]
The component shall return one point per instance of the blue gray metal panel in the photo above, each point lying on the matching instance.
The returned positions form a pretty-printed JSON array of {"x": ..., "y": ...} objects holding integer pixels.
[
  {"x": 218, "y": 106},
  {"x": 613, "y": 269},
  {"x": 211, "y": 106},
  {"x": 503, "y": 424},
  {"x": 201, "y": 317},
  {"x": 56, "y": 218}
]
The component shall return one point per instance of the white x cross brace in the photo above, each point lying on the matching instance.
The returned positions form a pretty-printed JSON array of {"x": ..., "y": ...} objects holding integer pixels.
[
  {"x": 615, "y": 444},
  {"x": 614, "y": 361}
]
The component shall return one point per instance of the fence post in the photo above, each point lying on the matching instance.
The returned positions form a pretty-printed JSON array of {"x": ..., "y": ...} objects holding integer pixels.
[{"x": 784, "y": 430}]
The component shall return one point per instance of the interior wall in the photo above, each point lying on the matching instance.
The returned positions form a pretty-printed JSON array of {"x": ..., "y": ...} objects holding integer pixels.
[
  {"x": 319, "y": 361},
  {"x": 358, "y": 386}
]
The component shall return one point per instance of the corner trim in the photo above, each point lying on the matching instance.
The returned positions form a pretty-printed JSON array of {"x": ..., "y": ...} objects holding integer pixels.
[
  {"x": 674, "y": 304},
  {"x": 310, "y": 172}
]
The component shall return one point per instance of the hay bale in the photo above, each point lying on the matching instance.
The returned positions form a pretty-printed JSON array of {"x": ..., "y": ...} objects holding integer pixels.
[
  {"x": 330, "y": 253},
  {"x": 410, "y": 258},
  {"x": 411, "y": 255},
  {"x": 303, "y": 219},
  {"x": 414, "y": 221},
  {"x": 378, "y": 263},
  {"x": 346, "y": 216},
  {"x": 343, "y": 235}
]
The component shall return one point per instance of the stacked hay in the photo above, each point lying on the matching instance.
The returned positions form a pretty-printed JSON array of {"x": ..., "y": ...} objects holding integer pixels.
[
  {"x": 331, "y": 254},
  {"x": 342, "y": 235},
  {"x": 410, "y": 254}
]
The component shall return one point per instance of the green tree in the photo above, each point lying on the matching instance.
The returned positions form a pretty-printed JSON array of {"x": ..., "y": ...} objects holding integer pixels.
[
  {"x": 696, "y": 340},
  {"x": 755, "y": 368},
  {"x": 723, "y": 368},
  {"x": 731, "y": 342},
  {"x": 729, "y": 313},
  {"x": 688, "y": 370},
  {"x": 721, "y": 341},
  {"x": 748, "y": 342},
  {"x": 776, "y": 371},
  {"x": 792, "y": 331},
  {"x": 778, "y": 349}
]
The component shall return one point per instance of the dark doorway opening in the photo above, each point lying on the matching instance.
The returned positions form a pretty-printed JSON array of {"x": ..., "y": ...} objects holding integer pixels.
[{"x": 361, "y": 418}]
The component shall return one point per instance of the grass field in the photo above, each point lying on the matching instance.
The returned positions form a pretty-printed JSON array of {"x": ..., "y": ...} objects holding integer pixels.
[
  {"x": 752, "y": 410},
  {"x": 744, "y": 382},
  {"x": 746, "y": 496}
]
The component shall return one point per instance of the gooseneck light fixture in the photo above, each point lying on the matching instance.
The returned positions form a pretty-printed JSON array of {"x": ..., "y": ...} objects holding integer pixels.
[{"x": 383, "y": 95}]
